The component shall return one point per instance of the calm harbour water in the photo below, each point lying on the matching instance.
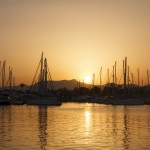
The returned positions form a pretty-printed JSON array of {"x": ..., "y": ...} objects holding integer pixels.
[{"x": 75, "y": 126}]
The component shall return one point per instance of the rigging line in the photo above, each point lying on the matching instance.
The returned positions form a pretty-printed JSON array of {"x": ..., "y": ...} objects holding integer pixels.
[
  {"x": 35, "y": 76},
  {"x": 51, "y": 82},
  {"x": 134, "y": 81}
]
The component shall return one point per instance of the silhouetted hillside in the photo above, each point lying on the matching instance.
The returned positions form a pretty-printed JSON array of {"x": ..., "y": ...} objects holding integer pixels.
[{"x": 69, "y": 84}]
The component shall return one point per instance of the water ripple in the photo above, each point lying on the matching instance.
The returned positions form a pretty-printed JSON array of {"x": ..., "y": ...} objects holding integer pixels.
[{"x": 75, "y": 126}]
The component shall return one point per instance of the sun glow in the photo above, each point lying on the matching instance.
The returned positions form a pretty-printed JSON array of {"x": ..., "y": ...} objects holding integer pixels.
[{"x": 87, "y": 79}]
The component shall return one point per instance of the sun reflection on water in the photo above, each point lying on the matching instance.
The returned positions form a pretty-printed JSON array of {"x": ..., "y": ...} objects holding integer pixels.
[
  {"x": 87, "y": 117},
  {"x": 87, "y": 122},
  {"x": 74, "y": 126}
]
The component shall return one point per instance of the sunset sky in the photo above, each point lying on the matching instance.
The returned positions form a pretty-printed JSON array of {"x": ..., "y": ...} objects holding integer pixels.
[{"x": 76, "y": 36}]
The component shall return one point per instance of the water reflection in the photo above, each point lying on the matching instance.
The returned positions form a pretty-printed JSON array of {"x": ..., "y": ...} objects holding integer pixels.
[
  {"x": 5, "y": 123},
  {"x": 43, "y": 126},
  {"x": 120, "y": 127},
  {"x": 87, "y": 119},
  {"x": 75, "y": 126},
  {"x": 126, "y": 129}
]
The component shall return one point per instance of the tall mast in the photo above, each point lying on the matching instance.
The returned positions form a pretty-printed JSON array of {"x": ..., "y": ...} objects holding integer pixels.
[
  {"x": 148, "y": 77},
  {"x": 45, "y": 74},
  {"x": 93, "y": 79},
  {"x": 41, "y": 76},
  {"x": 108, "y": 76},
  {"x": 124, "y": 72},
  {"x": 3, "y": 74},
  {"x": 115, "y": 72},
  {"x": 138, "y": 77},
  {"x": 83, "y": 82},
  {"x": 41, "y": 72},
  {"x": 100, "y": 77},
  {"x": 113, "y": 75},
  {"x": 128, "y": 77},
  {"x": 10, "y": 78}
]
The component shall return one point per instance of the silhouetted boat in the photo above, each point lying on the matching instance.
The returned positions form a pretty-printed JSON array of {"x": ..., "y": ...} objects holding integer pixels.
[
  {"x": 44, "y": 96},
  {"x": 53, "y": 101},
  {"x": 127, "y": 101},
  {"x": 17, "y": 101},
  {"x": 4, "y": 99}
]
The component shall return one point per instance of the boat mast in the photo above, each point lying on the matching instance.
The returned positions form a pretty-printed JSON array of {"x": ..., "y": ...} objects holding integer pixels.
[
  {"x": 3, "y": 74},
  {"x": 83, "y": 82},
  {"x": 10, "y": 78},
  {"x": 41, "y": 77},
  {"x": 93, "y": 80},
  {"x": 113, "y": 75},
  {"x": 100, "y": 78},
  {"x": 108, "y": 76},
  {"x": 138, "y": 77},
  {"x": 113, "y": 90},
  {"x": 45, "y": 74},
  {"x": 147, "y": 77},
  {"x": 115, "y": 72},
  {"x": 124, "y": 72},
  {"x": 128, "y": 76},
  {"x": 41, "y": 72}
]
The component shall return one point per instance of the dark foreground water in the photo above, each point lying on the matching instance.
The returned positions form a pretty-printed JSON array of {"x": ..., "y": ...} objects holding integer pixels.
[{"x": 75, "y": 126}]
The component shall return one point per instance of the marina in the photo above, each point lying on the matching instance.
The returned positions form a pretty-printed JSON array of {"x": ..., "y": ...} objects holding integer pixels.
[
  {"x": 74, "y": 75},
  {"x": 42, "y": 92}
]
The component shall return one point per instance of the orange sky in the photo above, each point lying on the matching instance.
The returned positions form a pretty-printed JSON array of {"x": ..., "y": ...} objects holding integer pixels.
[{"x": 76, "y": 36}]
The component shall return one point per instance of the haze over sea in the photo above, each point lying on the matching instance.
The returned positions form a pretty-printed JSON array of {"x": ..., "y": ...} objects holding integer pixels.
[{"x": 75, "y": 126}]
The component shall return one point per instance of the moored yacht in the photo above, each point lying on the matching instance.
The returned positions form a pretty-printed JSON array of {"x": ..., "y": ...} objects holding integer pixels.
[
  {"x": 44, "y": 96},
  {"x": 4, "y": 99}
]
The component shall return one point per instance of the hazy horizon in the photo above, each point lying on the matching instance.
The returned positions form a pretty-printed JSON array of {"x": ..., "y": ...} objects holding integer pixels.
[{"x": 77, "y": 37}]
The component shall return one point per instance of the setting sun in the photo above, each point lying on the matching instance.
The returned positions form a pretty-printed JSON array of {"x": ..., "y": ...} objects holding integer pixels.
[{"x": 87, "y": 79}]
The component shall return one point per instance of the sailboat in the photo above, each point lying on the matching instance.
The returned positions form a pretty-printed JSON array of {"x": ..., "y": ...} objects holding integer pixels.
[
  {"x": 44, "y": 96},
  {"x": 4, "y": 96},
  {"x": 125, "y": 99},
  {"x": 4, "y": 99}
]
